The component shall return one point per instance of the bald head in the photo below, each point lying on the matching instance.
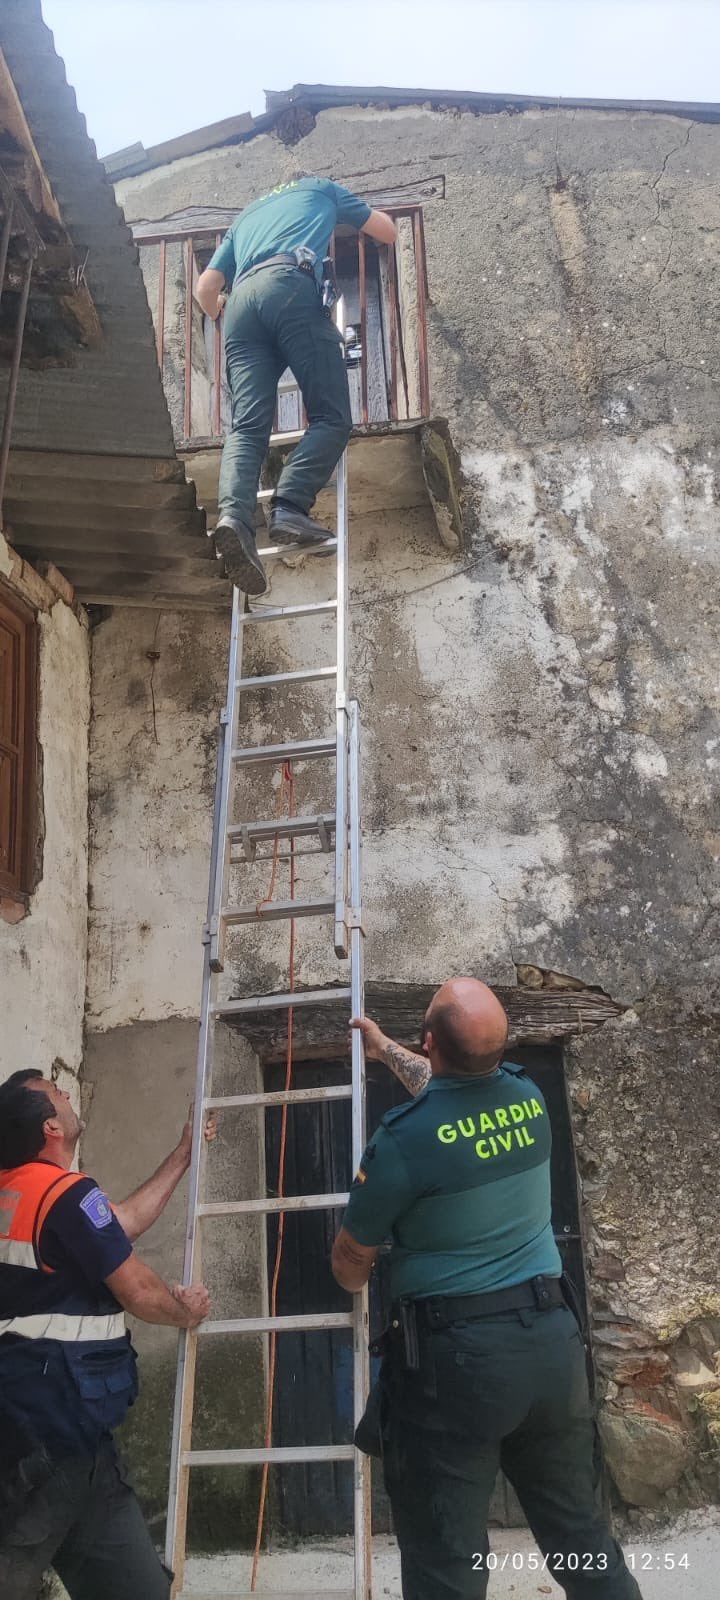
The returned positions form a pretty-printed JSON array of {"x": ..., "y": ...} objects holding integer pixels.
[{"x": 466, "y": 1029}]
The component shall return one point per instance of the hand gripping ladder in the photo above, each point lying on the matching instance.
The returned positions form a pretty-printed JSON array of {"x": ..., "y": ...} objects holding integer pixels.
[{"x": 344, "y": 909}]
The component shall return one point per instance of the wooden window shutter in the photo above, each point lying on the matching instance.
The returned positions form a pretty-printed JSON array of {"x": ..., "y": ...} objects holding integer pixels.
[{"x": 18, "y": 703}]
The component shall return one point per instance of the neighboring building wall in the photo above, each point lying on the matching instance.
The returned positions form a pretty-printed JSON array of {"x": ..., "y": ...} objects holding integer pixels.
[
  {"x": 540, "y": 715},
  {"x": 43, "y": 950}
]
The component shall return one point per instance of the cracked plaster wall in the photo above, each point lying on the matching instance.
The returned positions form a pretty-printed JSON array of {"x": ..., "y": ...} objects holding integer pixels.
[
  {"x": 158, "y": 682},
  {"x": 571, "y": 329},
  {"x": 43, "y": 948},
  {"x": 542, "y": 739}
]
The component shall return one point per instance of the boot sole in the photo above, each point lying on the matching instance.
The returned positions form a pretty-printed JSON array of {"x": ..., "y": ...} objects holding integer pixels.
[
  {"x": 308, "y": 541},
  {"x": 296, "y": 548},
  {"x": 244, "y": 569}
]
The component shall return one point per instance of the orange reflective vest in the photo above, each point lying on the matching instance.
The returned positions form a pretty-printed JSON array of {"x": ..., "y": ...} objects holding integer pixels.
[
  {"x": 67, "y": 1368},
  {"x": 70, "y": 1311}
]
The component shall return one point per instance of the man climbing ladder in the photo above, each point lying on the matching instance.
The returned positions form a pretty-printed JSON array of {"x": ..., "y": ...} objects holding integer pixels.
[
  {"x": 271, "y": 260},
  {"x": 240, "y": 840}
]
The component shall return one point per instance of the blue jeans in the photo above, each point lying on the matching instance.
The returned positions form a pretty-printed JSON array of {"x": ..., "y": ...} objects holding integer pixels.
[{"x": 274, "y": 320}]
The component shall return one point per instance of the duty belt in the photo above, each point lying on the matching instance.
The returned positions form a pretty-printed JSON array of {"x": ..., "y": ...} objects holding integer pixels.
[
  {"x": 410, "y": 1318},
  {"x": 282, "y": 260},
  {"x": 536, "y": 1294}
]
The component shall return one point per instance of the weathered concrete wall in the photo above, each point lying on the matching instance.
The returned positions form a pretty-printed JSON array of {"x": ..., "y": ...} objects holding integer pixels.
[
  {"x": 43, "y": 948},
  {"x": 158, "y": 683},
  {"x": 568, "y": 263},
  {"x": 541, "y": 714},
  {"x": 647, "y": 1127},
  {"x": 150, "y": 1067}
]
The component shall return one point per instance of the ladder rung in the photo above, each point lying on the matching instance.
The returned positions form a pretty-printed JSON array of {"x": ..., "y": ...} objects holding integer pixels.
[
  {"x": 267, "y": 494},
  {"x": 285, "y": 1202},
  {"x": 307, "y": 675},
  {"x": 323, "y": 547},
  {"x": 283, "y": 613},
  {"x": 269, "y": 1594},
  {"x": 281, "y": 828},
  {"x": 298, "y": 750},
  {"x": 276, "y": 911},
  {"x": 281, "y": 1002},
  {"x": 287, "y": 438},
  {"x": 278, "y": 1455},
  {"x": 280, "y": 1097},
  {"x": 300, "y": 1324}
]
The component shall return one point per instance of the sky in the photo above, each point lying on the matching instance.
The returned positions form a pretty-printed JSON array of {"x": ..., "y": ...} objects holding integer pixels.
[{"x": 148, "y": 70}]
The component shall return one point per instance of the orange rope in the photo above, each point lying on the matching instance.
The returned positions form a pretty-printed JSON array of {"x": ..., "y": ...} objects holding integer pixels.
[
  {"x": 287, "y": 777},
  {"x": 289, "y": 781}
]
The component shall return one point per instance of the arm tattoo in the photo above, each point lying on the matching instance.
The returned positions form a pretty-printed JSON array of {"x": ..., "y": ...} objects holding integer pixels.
[{"x": 412, "y": 1070}]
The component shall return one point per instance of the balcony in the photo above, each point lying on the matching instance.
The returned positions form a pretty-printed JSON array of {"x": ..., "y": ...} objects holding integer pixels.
[{"x": 386, "y": 297}]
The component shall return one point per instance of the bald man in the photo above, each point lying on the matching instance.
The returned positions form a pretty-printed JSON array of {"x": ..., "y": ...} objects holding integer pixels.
[{"x": 484, "y": 1364}]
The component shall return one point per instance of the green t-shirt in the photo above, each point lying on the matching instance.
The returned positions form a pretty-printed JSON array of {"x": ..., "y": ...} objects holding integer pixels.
[
  {"x": 460, "y": 1180},
  {"x": 305, "y": 212}
]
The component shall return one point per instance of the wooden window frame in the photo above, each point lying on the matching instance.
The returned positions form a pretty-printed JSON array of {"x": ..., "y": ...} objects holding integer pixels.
[{"x": 17, "y": 878}]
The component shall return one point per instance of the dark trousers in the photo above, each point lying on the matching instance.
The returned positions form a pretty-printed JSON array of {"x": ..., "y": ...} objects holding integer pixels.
[
  {"x": 274, "y": 320},
  {"x": 85, "y": 1523},
  {"x": 511, "y": 1392}
]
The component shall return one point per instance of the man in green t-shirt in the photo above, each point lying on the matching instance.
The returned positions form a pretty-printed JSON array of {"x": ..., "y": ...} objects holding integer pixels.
[
  {"x": 484, "y": 1362},
  {"x": 271, "y": 262}
]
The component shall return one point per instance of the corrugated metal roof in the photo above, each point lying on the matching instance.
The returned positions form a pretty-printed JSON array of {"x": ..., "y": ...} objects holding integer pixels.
[
  {"x": 94, "y": 483},
  {"x": 322, "y": 97},
  {"x": 111, "y": 400},
  {"x": 136, "y": 158},
  {"x": 122, "y": 529}
]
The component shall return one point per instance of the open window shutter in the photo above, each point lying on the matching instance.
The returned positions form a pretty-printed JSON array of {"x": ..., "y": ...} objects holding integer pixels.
[{"x": 17, "y": 713}]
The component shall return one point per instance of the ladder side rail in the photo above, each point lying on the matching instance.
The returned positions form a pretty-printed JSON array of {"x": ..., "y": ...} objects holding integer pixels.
[
  {"x": 362, "y": 1502},
  {"x": 357, "y": 970},
  {"x": 220, "y": 858},
  {"x": 341, "y": 795}
]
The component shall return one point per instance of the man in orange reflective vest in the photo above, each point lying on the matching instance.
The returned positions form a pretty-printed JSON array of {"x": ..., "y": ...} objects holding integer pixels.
[{"x": 67, "y": 1368}]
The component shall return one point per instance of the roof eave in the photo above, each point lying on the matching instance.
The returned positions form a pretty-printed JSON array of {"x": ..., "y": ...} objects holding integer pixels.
[{"x": 135, "y": 159}]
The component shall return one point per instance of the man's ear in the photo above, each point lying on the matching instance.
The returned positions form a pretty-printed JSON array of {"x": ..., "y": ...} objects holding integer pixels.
[
  {"x": 428, "y": 1042},
  {"x": 52, "y": 1130}
]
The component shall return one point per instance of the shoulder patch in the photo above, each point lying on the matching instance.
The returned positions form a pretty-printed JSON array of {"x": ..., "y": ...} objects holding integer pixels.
[
  {"x": 97, "y": 1208},
  {"x": 404, "y": 1110}
]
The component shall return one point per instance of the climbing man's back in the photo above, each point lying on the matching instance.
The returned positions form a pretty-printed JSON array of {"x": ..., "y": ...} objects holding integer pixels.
[{"x": 303, "y": 212}]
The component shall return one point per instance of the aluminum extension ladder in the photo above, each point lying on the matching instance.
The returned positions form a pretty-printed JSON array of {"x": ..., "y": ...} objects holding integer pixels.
[{"x": 345, "y": 909}]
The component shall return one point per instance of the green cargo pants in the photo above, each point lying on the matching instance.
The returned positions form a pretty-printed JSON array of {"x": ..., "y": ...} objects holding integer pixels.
[
  {"x": 273, "y": 320},
  {"x": 508, "y": 1391},
  {"x": 86, "y": 1524}
]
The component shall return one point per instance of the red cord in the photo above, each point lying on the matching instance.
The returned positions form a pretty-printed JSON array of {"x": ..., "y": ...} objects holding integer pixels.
[{"x": 289, "y": 781}]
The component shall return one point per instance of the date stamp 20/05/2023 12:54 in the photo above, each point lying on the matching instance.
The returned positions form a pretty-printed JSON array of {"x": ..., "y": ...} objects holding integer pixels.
[{"x": 558, "y": 1562}]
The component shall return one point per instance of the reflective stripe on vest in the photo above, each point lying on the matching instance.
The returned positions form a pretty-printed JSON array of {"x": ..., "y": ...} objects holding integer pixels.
[
  {"x": 27, "y": 1195},
  {"x": 16, "y": 1254},
  {"x": 68, "y": 1329}
]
